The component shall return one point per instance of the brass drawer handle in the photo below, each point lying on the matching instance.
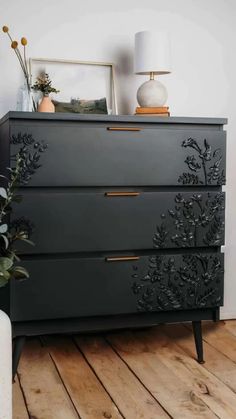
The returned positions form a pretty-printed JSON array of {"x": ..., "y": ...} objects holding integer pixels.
[
  {"x": 122, "y": 258},
  {"x": 114, "y": 194},
  {"x": 123, "y": 129}
]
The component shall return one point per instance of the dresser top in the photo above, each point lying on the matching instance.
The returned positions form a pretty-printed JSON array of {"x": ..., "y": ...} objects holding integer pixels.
[{"x": 13, "y": 115}]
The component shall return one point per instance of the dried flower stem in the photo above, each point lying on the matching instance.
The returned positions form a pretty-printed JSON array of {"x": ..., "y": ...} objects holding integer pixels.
[
  {"x": 25, "y": 60},
  {"x": 18, "y": 54},
  {"x": 9, "y": 36},
  {"x": 22, "y": 60}
]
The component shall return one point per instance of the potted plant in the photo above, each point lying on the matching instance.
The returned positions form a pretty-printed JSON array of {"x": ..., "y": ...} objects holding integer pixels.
[
  {"x": 9, "y": 236},
  {"x": 43, "y": 84},
  {"x": 9, "y": 268},
  {"x": 26, "y": 163}
]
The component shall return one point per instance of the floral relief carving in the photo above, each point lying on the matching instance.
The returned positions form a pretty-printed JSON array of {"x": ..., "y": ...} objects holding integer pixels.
[
  {"x": 193, "y": 221},
  {"x": 30, "y": 151},
  {"x": 204, "y": 164},
  {"x": 187, "y": 281},
  {"x": 179, "y": 282}
]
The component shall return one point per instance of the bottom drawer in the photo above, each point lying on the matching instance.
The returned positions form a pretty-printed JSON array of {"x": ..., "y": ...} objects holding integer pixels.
[{"x": 74, "y": 287}]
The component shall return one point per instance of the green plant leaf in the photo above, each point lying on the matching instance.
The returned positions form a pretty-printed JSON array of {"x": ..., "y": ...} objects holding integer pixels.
[
  {"x": 5, "y": 274},
  {"x": 14, "y": 255},
  {"x": 5, "y": 239},
  {"x": 27, "y": 241},
  {"x": 3, "y": 228},
  {"x": 3, "y": 281},
  {"x": 5, "y": 264},
  {"x": 18, "y": 272},
  {"x": 17, "y": 198},
  {"x": 3, "y": 193}
]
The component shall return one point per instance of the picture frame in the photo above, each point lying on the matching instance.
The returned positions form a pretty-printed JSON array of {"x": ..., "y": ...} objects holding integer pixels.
[{"x": 78, "y": 80}]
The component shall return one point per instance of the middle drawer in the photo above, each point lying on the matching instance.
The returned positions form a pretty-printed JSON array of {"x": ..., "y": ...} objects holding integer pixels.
[{"x": 75, "y": 221}]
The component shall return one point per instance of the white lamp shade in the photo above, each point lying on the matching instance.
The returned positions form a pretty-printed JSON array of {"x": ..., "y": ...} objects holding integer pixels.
[{"x": 152, "y": 53}]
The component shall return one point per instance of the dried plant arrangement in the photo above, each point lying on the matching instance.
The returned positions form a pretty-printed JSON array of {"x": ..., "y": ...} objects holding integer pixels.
[
  {"x": 43, "y": 84},
  {"x": 22, "y": 58}
]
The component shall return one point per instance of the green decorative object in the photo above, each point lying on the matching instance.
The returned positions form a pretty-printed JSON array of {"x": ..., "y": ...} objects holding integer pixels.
[{"x": 11, "y": 232}]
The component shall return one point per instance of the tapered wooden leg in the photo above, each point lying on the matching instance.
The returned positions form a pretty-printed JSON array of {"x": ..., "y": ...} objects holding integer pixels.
[
  {"x": 17, "y": 350},
  {"x": 197, "y": 331}
]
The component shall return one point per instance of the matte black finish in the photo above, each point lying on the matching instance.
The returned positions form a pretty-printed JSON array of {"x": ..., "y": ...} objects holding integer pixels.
[
  {"x": 213, "y": 123},
  {"x": 91, "y": 155},
  {"x": 95, "y": 286},
  {"x": 103, "y": 323},
  {"x": 171, "y": 225},
  {"x": 197, "y": 331},
  {"x": 4, "y": 150},
  {"x": 17, "y": 350},
  {"x": 74, "y": 221},
  {"x": 5, "y": 299}
]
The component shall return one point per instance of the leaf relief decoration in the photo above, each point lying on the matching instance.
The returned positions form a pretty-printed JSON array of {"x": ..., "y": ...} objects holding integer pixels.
[
  {"x": 204, "y": 165},
  {"x": 179, "y": 282}
]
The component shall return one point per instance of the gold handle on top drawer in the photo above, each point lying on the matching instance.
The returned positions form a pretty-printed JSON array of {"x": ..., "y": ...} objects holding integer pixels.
[
  {"x": 122, "y": 258},
  {"x": 114, "y": 194},
  {"x": 123, "y": 129}
]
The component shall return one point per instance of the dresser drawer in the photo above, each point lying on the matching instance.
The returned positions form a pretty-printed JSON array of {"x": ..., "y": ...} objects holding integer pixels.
[
  {"x": 105, "y": 221},
  {"x": 99, "y": 154},
  {"x": 62, "y": 288}
]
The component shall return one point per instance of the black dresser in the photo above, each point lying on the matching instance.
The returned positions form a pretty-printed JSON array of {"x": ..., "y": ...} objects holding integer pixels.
[{"x": 127, "y": 216}]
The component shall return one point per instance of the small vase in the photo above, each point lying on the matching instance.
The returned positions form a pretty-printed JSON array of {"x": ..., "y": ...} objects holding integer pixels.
[
  {"x": 46, "y": 105},
  {"x": 25, "y": 100}
]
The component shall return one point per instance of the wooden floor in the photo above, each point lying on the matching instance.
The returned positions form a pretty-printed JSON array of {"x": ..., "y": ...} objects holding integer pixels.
[{"x": 147, "y": 374}]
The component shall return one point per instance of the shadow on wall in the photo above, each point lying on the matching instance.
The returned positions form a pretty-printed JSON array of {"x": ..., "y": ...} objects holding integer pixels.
[{"x": 124, "y": 72}]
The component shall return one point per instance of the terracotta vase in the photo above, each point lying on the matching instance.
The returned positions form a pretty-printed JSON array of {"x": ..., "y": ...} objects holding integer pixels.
[{"x": 46, "y": 105}]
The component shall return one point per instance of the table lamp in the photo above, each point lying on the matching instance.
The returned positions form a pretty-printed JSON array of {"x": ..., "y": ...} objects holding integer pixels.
[{"x": 152, "y": 57}]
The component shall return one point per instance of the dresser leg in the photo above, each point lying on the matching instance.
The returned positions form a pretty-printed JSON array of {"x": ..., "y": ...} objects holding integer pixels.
[
  {"x": 216, "y": 315},
  {"x": 17, "y": 350},
  {"x": 197, "y": 331}
]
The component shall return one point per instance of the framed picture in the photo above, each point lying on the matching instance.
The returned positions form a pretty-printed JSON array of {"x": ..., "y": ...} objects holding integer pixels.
[{"x": 85, "y": 87}]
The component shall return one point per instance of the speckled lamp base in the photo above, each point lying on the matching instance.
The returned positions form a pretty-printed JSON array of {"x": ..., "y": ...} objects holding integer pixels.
[{"x": 152, "y": 93}]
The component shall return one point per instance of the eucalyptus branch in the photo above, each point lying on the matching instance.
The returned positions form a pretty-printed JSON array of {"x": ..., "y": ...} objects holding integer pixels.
[
  {"x": 26, "y": 162},
  {"x": 12, "y": 184}
]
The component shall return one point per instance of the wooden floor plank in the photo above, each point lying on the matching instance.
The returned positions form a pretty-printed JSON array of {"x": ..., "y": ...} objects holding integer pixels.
[
  {"x": 216, "y": 362},
  {"x": 133, "y": 399},
  {"x": 218, "y": 397},
  {"x": 217, "y": 335},
  {"x": 88, "y": 395},
  {"x": 230, "y": 326},
  {"x": 177, "y": 397},
  {"x": 147, "y": 374},
  {"x": 45, "y": 394},
  {"x": 19, "y": 408}
]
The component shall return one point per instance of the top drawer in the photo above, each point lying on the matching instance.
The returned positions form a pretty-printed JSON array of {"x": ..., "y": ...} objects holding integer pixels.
[{"x": 100, "y": 154}]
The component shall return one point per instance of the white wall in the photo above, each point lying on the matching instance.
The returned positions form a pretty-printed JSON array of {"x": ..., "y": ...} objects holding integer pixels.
[{"x": 203, "y": 81}]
